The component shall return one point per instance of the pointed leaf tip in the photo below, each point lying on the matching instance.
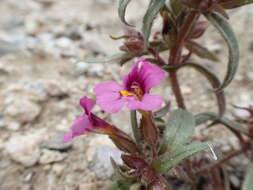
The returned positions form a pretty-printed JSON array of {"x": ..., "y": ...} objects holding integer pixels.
[
  {"x": 122, "y": 11},
  {"x": 150, "y": 15},
  {"x": 224, "y": 28}
]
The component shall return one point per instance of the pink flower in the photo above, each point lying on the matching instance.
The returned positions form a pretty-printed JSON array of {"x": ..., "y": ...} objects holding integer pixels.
[
  {"x": 88, "y": 122},
  {"x": 135, "y": 90}
]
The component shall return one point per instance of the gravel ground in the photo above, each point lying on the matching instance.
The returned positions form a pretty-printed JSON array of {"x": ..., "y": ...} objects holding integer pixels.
[{"x": 41, "y": 84}]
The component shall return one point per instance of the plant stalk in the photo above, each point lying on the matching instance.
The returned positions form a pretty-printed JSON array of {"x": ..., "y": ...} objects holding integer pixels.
[{"x": 175, "y": 56}]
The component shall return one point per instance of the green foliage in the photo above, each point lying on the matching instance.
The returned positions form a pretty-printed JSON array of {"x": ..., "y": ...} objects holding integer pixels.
[
  {"x": 182, "y": 152},
  {"x": 178, "y": 131},
  {"x": 201, "y": 51},
  {"x": 248, "y": 181},
  {"x": 122, "y": 184},
  {"x": 122, "y": 10},
  {"x": 104, "y": 59},
  {"x": 153, "y": 10},
  {"x": 135, "y": 186},
  {"x": 203, "y": 117},
  {"x": 224, "y": 28}
]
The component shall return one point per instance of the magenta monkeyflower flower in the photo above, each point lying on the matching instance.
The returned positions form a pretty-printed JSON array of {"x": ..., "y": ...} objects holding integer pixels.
[
  {"x": 135, "y": 90},
  {"x": 88, "y": 122}
]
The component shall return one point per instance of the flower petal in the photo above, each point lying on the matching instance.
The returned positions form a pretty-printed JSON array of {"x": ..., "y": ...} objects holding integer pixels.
[
  {"x": 87, "y": 104},
  {"x": 108, "y": 96},
  {"x": 145, "y": 74},
  {"x": 110, "y": 105},
  {"x": 151, "y": 102},
  {"x": 79, "y": 127},
  {"x": 151, "y": 75},
  {"x": 134, "y": 104},
  {"x": 107, "y": 87}
]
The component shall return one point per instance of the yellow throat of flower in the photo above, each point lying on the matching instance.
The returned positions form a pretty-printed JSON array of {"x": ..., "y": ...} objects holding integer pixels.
[{"x": 137, "y": 93}]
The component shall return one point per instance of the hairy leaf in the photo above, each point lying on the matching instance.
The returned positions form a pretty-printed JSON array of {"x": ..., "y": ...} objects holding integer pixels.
[
  {"x": 204, "y": 117},
  {"x": 224, "y": 28},
  {"x": 163, "y": 111},
  {"x": 122, "y": 10},
  {"x": 201, "y": 51},
  {"x": 104, "y": 59},
  {"x": 149, "y": 17},
  {"x": 231, "y": 4},
  {"x": 215, "y": 82},
  {"x": 166, "y": 162},
  {"x": 248, "y": 181},
  {"x": 178, "y": 131}
]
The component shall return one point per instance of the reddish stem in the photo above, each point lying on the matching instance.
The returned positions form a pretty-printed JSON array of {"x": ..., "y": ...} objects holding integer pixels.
[{"x": 175, "y": 56}]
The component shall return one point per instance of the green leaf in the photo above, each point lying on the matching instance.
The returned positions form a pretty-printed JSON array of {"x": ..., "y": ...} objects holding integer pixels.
[
  {"x": 215, "y": 82},
  {"x": 135, "y": 186},
  {"x": 176, "y": 7},
  {"x": 248, "y": 181},
  {"x": 203, "y": 117},
  {"x": 149, "y": 17},
  {"x": 163, "y": 111},
  {"x": 104, "y": 59},
  {"x": 122, "y": 184},
  {"x": 135, "y": 128},
  {"x": 224, "y": 28},
  {"x": 201, "y": 51},
  {"x": 165, "y": 163},
  {"x": 231, "y": 4},
  {"x": 122, "y": 10},
  {"x": 178, "y": 131}
]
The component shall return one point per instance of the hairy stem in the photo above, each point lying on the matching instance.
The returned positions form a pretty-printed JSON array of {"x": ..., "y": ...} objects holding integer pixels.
[{"x": 175, "y": 56}]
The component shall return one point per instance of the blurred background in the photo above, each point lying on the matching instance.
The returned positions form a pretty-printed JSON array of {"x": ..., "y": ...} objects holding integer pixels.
[{"x": 41, "y": 84}]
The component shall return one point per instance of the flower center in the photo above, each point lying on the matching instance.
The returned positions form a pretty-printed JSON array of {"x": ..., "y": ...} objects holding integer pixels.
[{"x": 137, "y": 93}]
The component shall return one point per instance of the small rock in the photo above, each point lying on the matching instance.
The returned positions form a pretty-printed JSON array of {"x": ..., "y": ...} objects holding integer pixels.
[
  {"x": 51, "y": 156},
  {"x": 63, "y": 43},
  {"x": 28, "y": 176},
  {"x": 95, "y": 70},
  {"x": 23, "y": 110},
  {"x": 14, "y": 126},
  {"x": 102, "y": 163},
  {"x": 74, "y": 33},
  {"x": 57, "y": 143},
  {"x": 54, "y": 89},
  {"x": 58, "y": 169},
  {"x": 88, "y": 186},
  {"x": 24, "y": 149},
  {"x": 8, "y": 48}
]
